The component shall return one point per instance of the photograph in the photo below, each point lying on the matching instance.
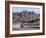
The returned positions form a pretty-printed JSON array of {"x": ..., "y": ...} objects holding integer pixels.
[{"x": 25, "y": 18}]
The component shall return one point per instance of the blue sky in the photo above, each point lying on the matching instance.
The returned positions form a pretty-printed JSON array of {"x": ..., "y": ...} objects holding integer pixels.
[{"x": 19, "y": 9}]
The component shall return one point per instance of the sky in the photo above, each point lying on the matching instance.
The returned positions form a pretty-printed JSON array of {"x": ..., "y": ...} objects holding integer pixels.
[{"x": 19, "y": 9}]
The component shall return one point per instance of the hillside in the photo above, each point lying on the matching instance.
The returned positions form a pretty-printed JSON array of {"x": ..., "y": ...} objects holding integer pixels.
[{"x": 25, "y": 16}]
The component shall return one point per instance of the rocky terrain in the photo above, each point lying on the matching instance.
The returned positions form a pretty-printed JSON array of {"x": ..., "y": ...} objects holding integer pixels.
[
  {"x": 25, "y": 16},
  {"x": 26, "y": 20}
]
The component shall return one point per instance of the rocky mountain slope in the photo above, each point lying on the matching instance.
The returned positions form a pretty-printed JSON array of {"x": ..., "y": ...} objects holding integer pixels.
[{"x": 25, "y": 16}]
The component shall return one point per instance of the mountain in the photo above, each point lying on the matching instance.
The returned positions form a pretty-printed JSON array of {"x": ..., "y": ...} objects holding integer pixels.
[
  {"x": 24, "y": 12},
  {"x": 25, "y": 16}
]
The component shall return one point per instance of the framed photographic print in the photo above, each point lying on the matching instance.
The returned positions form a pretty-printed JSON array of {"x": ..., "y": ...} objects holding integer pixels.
[{"x": 24, "y": 18}]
